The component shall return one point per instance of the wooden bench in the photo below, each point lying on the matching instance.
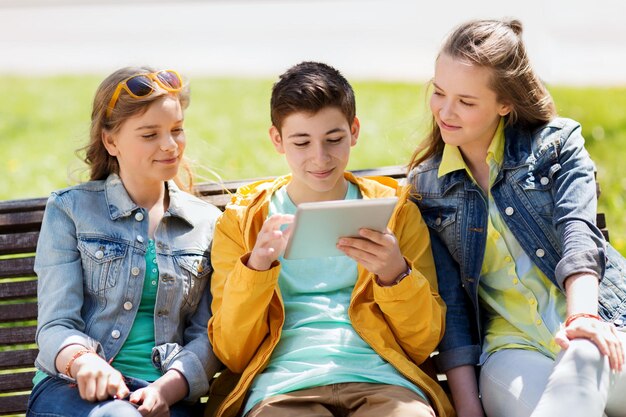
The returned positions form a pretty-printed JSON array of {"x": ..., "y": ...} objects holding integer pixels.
[{"x": 20, "y": 221}]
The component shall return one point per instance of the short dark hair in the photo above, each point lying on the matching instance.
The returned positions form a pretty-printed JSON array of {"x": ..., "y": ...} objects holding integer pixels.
[{"x": 310, "y": 87}]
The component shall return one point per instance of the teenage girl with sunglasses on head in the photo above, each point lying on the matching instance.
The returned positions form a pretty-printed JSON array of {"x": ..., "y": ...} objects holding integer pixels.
[
  {"x": 534, "y": 294},
  {"x": 123, "y": 265}
]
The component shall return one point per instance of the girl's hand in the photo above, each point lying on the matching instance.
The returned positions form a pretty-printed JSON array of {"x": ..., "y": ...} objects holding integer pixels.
[
  {"x": 602, "y": 334},
  {"x": 151, "y": 402},
  {"x": 378, "y": 252},
  {"x": 97, "y": 380},
  {"x": 271, "y": 242}
]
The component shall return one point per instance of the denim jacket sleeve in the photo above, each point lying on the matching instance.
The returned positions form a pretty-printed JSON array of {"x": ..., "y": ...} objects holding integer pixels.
[
  {"x": 575, "y": 205},
  {"x": 59, "y": 287},
  {"x": 459, "y": 345}
]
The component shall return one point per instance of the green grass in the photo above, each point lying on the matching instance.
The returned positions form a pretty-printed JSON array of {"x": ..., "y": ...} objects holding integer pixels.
[{"x": 44, "y": 120}]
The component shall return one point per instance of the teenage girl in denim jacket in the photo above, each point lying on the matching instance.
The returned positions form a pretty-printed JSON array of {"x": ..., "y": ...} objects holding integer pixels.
[
  {"x": 535, "y": 295},
  {"x": 123, "y": 265}
]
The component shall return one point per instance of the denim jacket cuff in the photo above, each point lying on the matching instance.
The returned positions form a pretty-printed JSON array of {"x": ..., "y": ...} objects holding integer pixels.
[
  {"x": 46, "y": 360},
  {"x": 187, "y": 364},
  {"x": 590, "y": 262},
  {"x": 464, "y": 355}
]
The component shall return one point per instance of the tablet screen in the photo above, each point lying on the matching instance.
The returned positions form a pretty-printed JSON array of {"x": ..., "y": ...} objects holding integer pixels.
[{"x": 319, "y": 225}]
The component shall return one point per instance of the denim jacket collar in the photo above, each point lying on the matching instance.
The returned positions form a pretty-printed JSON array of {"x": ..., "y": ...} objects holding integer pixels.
[{"x": 121, "y": 205}]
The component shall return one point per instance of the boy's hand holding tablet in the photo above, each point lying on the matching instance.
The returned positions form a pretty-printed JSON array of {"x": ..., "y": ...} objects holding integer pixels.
[{"x": 355, "y": 228}]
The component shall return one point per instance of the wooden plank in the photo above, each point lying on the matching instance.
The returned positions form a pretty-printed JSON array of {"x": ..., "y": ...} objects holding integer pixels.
[
  {"x": 12, "y": 359},
  {"x": 19, "y": 289},
  {"x": 218, "y": 201},
  {"x": 17, "y": 267},
  {"x": 18, "y": 312},
  {"x": 17, "y": 335},
  {"x": 23, "y": 221},
  {"x": 21, "y": 381},
  {"x": 26, "y": 204},
  {"x": 18, "y": 243},
  {"x": 13, "y": 405}
]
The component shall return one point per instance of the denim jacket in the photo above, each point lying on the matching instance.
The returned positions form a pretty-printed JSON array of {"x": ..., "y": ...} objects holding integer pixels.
[
  {"x": 546, "y": 194},
  {"x": 91, "y": 267}
]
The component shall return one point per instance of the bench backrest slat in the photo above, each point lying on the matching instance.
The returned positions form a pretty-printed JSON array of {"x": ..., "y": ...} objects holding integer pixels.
[
  {"x": 16, "y": 382},
  {"x": 18, "y": 359},
  {"x": 13, "y": 405},
  {"x": 16, "y": 267},
  {"x": 11, "y": 244}
]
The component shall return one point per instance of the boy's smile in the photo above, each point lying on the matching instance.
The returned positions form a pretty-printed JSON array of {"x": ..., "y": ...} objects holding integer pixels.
[{"x": 317, "y": 150}]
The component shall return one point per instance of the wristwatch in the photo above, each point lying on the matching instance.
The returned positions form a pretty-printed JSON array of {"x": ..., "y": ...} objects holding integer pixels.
[{"x": 397, "y": 280}]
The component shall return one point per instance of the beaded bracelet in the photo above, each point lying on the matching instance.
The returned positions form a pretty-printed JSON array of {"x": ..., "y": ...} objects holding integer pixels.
[
  {"x": 573, "y": 317},
  {"x": 68, "y": 367}
]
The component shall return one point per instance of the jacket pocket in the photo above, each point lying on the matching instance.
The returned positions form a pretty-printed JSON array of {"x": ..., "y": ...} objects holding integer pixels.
[
  {"x": 443, "y": 221},
  {"x": 194, "y": 270},
  {"x": 537, "y": 185},
  {"x": 102, "y": 261}
]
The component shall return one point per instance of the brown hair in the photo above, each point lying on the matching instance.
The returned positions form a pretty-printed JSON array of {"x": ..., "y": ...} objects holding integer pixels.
[
  {"x": 496, "y": 45},
  {"x": 100, "y": 163},
  {"x": 310, "y": 87}
]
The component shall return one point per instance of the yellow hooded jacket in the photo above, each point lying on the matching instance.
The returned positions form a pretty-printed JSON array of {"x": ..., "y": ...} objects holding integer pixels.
[{"x": 402, "y": 323}]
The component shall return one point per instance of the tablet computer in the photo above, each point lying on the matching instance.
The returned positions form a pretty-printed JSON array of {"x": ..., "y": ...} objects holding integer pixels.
[{"x": 319, "y": 225}]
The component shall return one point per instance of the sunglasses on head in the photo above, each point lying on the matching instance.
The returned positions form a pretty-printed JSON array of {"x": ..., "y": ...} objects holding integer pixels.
[{"x": 142, "y": 85}]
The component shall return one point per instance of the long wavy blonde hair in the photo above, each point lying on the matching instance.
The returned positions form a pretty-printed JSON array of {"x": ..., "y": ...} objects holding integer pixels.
[
  {"x": 496, "y": 45},
  {"x": 100, "y": 163}
]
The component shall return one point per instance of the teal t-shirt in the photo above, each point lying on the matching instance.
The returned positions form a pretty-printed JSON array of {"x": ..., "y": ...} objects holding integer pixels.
[
  {"x": 135, "y": 357},
  {"x": 318, "y": 345}
]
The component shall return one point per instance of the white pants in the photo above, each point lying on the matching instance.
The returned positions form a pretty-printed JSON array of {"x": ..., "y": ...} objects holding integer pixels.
[{"x": 523, "y": 383}]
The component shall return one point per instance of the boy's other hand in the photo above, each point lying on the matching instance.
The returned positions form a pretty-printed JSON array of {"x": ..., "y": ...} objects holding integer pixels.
[
  {"x": 378, "y": 252},
  {"x": 271, "y": 242}
]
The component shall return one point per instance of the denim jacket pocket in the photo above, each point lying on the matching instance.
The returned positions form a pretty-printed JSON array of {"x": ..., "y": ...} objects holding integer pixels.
[
  {"x": 442, "y": 220},
  {"x": 537, "y": 185},
  {"x": 102, "y": 260},
  {"x": 194, "y": 271}
]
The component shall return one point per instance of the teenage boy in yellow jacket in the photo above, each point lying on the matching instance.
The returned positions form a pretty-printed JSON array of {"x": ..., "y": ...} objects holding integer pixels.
[{"x": 329, "y": 336}]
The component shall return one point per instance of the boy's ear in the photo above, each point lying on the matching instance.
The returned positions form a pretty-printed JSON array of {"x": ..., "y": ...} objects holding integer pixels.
[
  {"x": 109, "y": 143},
  {"x": 276, "y": 139},
  {"x": 355, "y": 128}
]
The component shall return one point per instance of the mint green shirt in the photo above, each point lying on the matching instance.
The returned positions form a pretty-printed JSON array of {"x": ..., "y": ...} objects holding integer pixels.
[{"x": 318, "y": 345}]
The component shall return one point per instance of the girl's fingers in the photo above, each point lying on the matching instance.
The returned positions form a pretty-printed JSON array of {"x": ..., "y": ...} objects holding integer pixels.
[
  {"x": 117, "y": 387},
  {"x": 102, "y": 383}
]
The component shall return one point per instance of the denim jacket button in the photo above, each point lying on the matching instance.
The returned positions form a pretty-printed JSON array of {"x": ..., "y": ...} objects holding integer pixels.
[
  {"x": 115, "y": 334},
  {"x": 139, "y": 238},
  {"x": 134, "y": 270},
  {"x": 540, "y": 253},
  {"x": 438, "y": 221},
  {"x": 128, "y": 306},
  {"x": 99, "y": 254},
  {"x": 509, "y": 211},
  {"x": 139, "y": 216},
  {"x": 544, "y": 180}
]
